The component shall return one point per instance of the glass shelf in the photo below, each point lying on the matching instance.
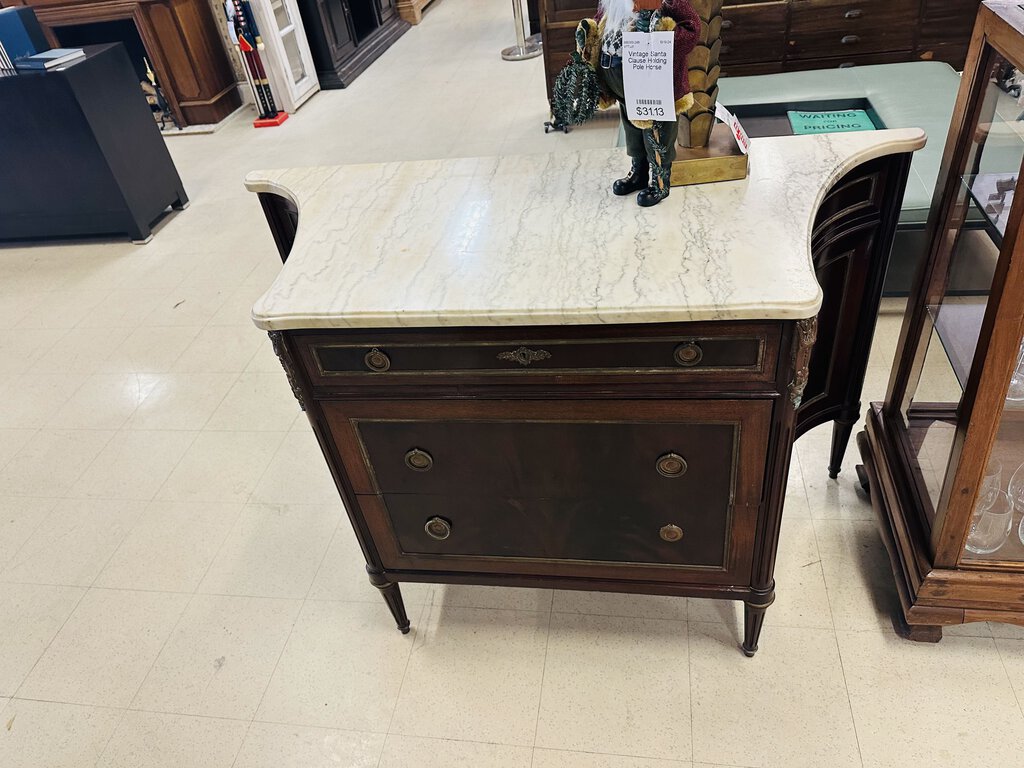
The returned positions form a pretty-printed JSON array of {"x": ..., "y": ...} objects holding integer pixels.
[
  {"x": 957, "y": 323},
  {"x": 992, "y": 194}
]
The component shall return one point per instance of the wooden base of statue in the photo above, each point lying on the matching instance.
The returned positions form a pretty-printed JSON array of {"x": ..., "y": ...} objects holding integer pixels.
[{"x": 720, "y": 160}]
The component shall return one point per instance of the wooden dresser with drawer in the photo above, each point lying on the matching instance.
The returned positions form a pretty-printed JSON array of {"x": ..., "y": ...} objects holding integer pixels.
[
  {"x": 635, "y": 441},
  {"x": 766, "y": 37},
  {"x": 625, "y": 457}
]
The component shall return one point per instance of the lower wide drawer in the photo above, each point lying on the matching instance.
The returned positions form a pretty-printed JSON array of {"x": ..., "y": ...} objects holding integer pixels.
[
  {"x": 602, "y": 529},
  {"x": 558, "y": 488}
]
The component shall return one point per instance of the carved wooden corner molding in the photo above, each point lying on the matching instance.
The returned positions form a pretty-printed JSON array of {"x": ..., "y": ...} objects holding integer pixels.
[
  {"x": 277, "y": 341},
  {"x": 806, "y": 333}
]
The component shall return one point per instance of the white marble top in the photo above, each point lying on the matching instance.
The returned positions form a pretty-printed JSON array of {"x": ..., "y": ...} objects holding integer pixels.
[{"x": 541, "y": 240}]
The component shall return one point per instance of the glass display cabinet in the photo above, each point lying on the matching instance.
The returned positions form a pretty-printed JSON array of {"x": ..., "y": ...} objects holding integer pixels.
[
  {"x": 292, "y": 73},
  {"x": 944, "y": 453}
]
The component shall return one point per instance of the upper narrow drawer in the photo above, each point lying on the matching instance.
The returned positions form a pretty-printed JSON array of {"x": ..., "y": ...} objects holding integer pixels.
[
  {"x": 755, "y": 32},
  {"x": 744, "y": 350},
  {"x": 813, "y": 16}
]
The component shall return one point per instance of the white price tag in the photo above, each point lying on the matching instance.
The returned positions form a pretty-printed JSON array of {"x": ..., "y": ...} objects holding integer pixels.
[
  {"x": 733, "y": 122},
  {"x": 647, "y": 76}
]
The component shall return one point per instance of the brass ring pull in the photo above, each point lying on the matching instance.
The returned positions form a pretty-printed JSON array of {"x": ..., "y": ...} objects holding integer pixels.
[
  {"x": 671, "y": 533},
  {"x": 377, "y": 361},
  {"x": 671, "y": 465},
  {"x": 418, "y": 460},
  {"x": 853, "y": 13},
  {"x": 438, "y": 528},
  {"x": 688, "y": 354},
  {"x": 850, "y": 39}
]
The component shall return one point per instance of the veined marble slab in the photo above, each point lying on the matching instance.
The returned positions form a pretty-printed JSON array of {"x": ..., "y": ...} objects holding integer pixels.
[{"x": 541, "y": 240}]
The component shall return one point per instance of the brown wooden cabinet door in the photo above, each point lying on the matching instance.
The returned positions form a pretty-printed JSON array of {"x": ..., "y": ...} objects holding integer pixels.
[
  {"x": 387, "y": 9},
  {"x": 337, "y": 28},
  {"x": 570, "y": 10},
  {"x": 545, "y": 486}
]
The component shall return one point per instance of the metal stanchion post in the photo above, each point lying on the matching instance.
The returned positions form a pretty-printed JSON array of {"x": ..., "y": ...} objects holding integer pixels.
[{"x": 523, "y": 49}]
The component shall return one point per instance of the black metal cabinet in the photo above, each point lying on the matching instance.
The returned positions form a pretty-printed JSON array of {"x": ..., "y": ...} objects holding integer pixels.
[{"x": 346, "y": 36}]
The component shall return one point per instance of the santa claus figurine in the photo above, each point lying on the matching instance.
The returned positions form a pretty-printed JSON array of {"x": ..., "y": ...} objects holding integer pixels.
[{"x": 650, "y": 144}]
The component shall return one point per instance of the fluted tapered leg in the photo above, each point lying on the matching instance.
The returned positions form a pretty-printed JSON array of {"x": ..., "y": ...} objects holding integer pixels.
[{"x": 392, "y": 596}]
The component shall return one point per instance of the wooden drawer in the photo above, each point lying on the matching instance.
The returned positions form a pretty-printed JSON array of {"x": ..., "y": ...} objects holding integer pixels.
[
  {"x": 850, "y": 45},
  {"x": 729, "y": 69},
  {"x": 834, "y": 28},
  {"x": 581, "y": 481},
  {"x": 814, "y": 16},
  {"x": 946, "y": 22},
  {"x": 551, "y": 459},
  {"x": 755, "y": 32},
  {"x": 596, "y": 529},
  {"x": 740, "y": 352},
  {"x": 836, "y": 62}
]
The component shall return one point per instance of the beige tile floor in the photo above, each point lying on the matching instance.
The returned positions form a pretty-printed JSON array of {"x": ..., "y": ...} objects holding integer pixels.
[{"x": 179, "y": 587}]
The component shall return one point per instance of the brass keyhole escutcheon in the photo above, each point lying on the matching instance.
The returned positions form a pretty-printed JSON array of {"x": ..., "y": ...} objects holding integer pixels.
[
  {"x": 671, "y": 533},
  {"x": 671, "y": 465},
  {"x": 440, "y": 529},
  {"x": 688, "y": 354},
  {"x": 419, "y": 461},
  {"x": 377, "y": 361}
]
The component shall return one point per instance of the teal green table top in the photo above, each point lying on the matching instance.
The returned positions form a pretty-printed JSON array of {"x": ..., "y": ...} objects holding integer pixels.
[{"x": 917, "y": 94}]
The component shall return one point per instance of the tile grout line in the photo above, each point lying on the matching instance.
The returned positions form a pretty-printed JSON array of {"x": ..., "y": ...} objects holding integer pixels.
[
  {"x": 28, "y": 674},
  {"x": 849, "y": 701},
  {"x": 302, "y": 603},
  {"x": 220, "y": 548},
  {"x": 832, "y": 619},
  {"x": 159, "y": 653},
  {"x": 5, "y": 564},
  {"x": 425, "y": 611},
  {"x": 689, "y": 677},
  {"x": 1002, "y": 661},
  {"x": 291, "y": 630},
  {"x": 543, "y": 674},
  {"x": 821, "y": 568},
  {"x": 110, "y": 738}
]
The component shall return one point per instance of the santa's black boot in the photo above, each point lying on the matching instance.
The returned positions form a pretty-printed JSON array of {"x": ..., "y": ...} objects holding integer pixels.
[
  {"x": 638, "y": 177},
  {"x": 652, "y": 195}
]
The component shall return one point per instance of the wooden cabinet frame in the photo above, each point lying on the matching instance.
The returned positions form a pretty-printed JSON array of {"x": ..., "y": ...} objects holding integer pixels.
[{"x": 938, "y": 585}]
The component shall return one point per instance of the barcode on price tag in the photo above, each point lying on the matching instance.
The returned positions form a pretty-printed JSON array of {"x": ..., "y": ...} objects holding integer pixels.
[{"x": 647, "y": 76}]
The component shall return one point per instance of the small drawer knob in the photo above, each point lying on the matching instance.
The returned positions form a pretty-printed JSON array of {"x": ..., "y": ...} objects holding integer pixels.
[
  {"x": 849, "y": 39},
  {"x": 671, "y": 533},
  {"x": 419, "y": 460},
  {"x": 439, "y": 529},
  {"x": 671, "y": 465},
  {"x": 853, "y": 13},
  {"x": 726, "y": 24},
  {"x": 688, "y": 354},
  {"x": 377, "y": 361}
]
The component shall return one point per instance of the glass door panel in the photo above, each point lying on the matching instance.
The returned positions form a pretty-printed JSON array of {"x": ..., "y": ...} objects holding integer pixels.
[
  {"x": 296, "y": 68},
  {"x": 957, "y": 297},
  {"x": 996, "y": 533}
]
